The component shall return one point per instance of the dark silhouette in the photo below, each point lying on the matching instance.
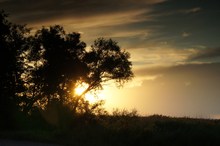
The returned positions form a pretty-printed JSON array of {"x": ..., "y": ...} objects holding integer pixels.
[
  {"x": 41, "y": 70},
  {"x": 11, "y": 41},
  {"x": 55, "y": 62},
  {"x": 51, "y": 66},
  {"x": 106, "y": 61}
]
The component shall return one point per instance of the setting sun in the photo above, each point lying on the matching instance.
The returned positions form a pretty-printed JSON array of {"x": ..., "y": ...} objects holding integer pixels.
[
  {"x": 80, "y": 89},
  {"x": 90, "y": 96}
]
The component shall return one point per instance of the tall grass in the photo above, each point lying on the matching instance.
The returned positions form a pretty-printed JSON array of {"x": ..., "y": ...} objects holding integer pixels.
[{"x": 122, "y": 128}]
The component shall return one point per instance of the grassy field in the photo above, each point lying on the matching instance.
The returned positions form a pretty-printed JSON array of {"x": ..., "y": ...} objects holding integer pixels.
[{"x": 119, "y": 130}]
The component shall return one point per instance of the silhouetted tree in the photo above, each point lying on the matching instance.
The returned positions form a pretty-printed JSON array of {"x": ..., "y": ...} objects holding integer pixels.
[
  {"x": 106, "y": 61},
  {"x": 52, "y": 66},
  {"x": 56, "y": 62},
  {"x": 11, "y": 42},
  {"x": 42, "y": 70}
]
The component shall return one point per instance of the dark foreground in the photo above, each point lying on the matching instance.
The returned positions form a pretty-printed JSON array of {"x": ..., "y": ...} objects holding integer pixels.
[
  {"x": 122, "y": 130},
  {"x": 5, "y": 142}
]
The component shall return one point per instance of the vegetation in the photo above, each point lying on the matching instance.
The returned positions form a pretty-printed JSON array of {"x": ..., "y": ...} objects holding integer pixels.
[
  {"x": 40, "y": 71},
  {"x": 120, "y": 130},
  {"x": 37, "y": 99}
]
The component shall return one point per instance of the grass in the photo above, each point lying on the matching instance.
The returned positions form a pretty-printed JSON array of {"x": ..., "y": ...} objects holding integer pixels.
[{"x": 121, "y": 130}]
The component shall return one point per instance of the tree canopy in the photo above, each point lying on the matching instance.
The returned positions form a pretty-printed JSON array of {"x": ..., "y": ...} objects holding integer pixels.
[
  {"x": 38, "y": 69},
  {"x": 12, "y": 39}
]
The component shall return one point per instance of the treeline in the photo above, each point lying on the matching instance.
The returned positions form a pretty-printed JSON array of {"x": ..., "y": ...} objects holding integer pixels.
[{"x": 40, "y": 71}]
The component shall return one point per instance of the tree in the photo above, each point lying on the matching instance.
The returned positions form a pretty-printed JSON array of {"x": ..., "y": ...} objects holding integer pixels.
[
  {"x": 42, "y": 70},
  {"x": 12, "y": 38},
  {"x": 55, "y": 62},
  {"x": 52, "y": 65},
  {"x": 106, "y": 61}
]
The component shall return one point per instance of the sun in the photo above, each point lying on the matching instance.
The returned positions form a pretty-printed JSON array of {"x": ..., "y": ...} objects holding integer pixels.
[
  {"x": 79, "y": 90},
  {"x": 90, "y": 96}
]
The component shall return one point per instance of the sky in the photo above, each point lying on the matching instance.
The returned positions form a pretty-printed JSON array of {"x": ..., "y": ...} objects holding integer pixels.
[{"x": 174, "y": 47}]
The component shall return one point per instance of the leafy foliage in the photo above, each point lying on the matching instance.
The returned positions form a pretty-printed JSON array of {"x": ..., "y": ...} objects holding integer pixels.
[
  {"x": 107, "y": 62},
  {"x": 53, "y": 66},
  {"x": 44, "y": 68},
  {"x": 12, "y": 39}
]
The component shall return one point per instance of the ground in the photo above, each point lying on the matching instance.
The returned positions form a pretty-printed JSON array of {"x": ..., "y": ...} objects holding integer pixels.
[{"x": 4, "y": 142}]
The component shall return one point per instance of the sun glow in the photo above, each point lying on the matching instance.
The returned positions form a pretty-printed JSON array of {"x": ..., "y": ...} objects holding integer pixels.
[
  {"x": 90, "y": 96},
  {"x": 80, "y": 89}
]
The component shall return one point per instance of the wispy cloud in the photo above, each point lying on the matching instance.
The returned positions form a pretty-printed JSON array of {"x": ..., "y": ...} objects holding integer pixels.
[
  {"x": 192, "y": 10},
  {"x": 109, "y": 19},
  {"x": 208, "y": 53},
  {"x": 138, "y": 81},
  {"x": 51, "y": 10},
  {"x": 186, "y": 34},
  {"x": 159, "y": 56},
  {"x": 93, "y": 17},
  {"x": 206, "y": 70}
]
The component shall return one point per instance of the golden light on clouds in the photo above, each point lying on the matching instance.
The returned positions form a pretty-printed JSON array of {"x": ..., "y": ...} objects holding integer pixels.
[{"x": 159, "y": 56}]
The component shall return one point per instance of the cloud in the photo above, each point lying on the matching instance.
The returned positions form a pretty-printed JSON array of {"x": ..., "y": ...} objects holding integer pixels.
[
  {"x": 117, "y": 19},
  {"x": 134, "y": 24},
  {"x": 203, "y": 69},
  {"x": 108, "y": 19},
  {"x": 192, "y": 10},
  {"x": 139, "y": 80},
  {"x": 208, "y": 53},
  {"x": 49, "y": 10},
  {"x": 186, "y": 34},
  {"x": 125, "y": 33},
  {"x": 187, "y": 83},
  {"x": 161, "y": 55}
]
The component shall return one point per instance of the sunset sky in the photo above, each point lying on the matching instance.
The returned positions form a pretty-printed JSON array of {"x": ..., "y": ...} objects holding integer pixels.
[{"x": 174, "y": 47}]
